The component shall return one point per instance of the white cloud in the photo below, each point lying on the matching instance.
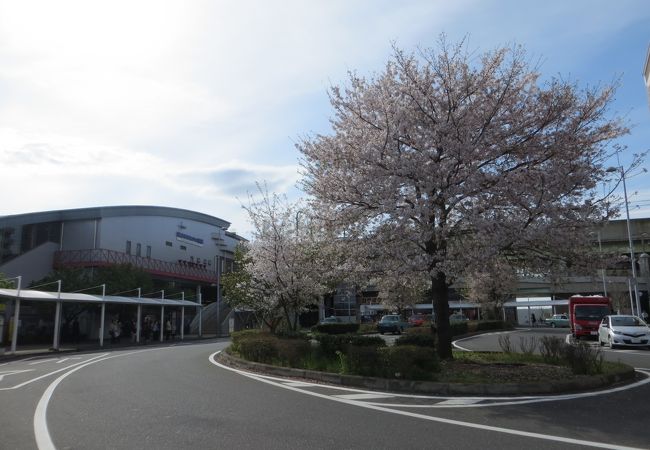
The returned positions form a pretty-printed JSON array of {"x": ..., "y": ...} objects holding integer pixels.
[{"x": 189, "y": 104}]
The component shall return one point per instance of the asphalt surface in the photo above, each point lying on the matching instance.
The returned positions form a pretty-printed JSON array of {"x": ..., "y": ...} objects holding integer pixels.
[{"x": 178, "y": 397}]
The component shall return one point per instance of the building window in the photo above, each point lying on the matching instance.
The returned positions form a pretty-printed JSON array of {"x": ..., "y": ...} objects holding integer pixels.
[
  {"x": 148, "y": 251},
  {"x": 138, "y": 249},
  {"x": 183, "y": 247},
  {"x": 191, "y": 258},
  {"x": 128, "y": 247},
  {"x": 168, "y": 243}
]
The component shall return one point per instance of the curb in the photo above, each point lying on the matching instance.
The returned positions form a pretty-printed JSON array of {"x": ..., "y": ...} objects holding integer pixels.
[{"x": 584, "y": 383}]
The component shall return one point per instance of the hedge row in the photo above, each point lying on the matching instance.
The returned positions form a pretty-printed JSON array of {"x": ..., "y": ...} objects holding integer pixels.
[
  {"x": 405, "y": 361},
  {"x": 330, "y": 344},
  {"x": 336, "y": 328},
  {"x": 356, "y": 354}
]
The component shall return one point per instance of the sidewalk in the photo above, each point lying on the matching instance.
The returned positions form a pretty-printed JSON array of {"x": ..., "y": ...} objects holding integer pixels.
[{"x": 43, "y": 350}]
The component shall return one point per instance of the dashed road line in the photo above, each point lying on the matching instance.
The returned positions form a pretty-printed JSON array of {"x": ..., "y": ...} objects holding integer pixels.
[{"x": 362, "y": 396}]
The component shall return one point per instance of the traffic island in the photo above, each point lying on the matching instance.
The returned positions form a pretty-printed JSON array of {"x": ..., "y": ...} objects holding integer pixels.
[{"x": 621, "y": 374}]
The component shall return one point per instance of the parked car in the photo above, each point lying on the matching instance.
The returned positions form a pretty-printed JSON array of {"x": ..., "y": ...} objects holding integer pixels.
[
  {"x": 558, "y": 320},
  {"x": 330, "y": 319},
  {"x": 392, "y": 323},
  {"x": 623, "y": 330},
  {"x": 417, "y": 320},
  {"x": 457, "y": 317}
]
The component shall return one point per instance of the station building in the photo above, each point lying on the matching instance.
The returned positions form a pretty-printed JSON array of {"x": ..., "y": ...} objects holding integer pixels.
[{"x": 183, "y": 248}]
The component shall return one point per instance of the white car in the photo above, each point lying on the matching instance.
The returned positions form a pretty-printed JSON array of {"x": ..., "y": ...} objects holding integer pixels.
[{"x": 623, "y": 330}]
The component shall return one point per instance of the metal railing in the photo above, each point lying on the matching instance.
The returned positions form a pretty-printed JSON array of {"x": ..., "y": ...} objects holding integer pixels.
[{"x": 184, "y": 270}]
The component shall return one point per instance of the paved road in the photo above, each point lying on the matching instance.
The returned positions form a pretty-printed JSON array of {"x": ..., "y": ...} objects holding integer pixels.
[
  {"x": 635, "y": 357},
  {"x": 179, "y": 397}
]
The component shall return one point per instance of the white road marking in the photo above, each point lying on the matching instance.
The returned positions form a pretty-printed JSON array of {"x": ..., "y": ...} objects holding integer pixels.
[
  {"x": 12, "y": 372},
  {"x": 299, "y": 384},
  {"x": 41, "y": 361},
  {"x": 459, "y": 401},
  {"x": 41, "y": 431},
  {"x": 48, "y": 374},
  {"x": 455, "y": 343},
  {"x": 362, "y": 396},
  {"x": 67, "y": 359},
  {"x": 423, "y": 416}
]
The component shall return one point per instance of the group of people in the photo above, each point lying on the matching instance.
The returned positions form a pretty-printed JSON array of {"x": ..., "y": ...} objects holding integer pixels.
[{"x": 151, "y": 329}]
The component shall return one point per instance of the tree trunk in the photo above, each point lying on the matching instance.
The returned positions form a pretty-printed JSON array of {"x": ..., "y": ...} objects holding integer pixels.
[{"x": 440, "y": 294}]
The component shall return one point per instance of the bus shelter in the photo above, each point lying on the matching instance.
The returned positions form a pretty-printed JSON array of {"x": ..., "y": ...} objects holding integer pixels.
[{"x": 61, "y": 298}]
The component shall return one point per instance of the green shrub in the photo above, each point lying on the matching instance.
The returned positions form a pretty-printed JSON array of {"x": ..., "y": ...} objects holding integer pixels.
[
  {"x": 336, "y": 328},
  {"x": 261, "y": 348},
  {"x": 239, "y": 336},
  {"x": 367, "y": 328},
  {"x": 291, "y": 352},
  {"x": 409, "y": 362},
  {"x": 551, "y": 349},
  {"x": 458, "y": 328},
  {"x": 420, "y": 340},
  {"x": 419, "y": 330},
  {"x": 583, "y": 359},
  {"x": 505, "y": 343},
  {"x": 332, "y": 343},
  {"x": 291, "y": 334},
  {"x": 528, "y": 344},
  {"x": 363, "y": 360}
]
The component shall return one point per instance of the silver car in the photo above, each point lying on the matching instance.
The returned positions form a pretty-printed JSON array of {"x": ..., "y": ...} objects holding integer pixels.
[{"x": 621, "y": 330}]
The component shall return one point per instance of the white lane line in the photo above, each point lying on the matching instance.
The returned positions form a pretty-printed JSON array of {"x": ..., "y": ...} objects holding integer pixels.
[
  {"x": 299, "y": 384},
  {"x": 427, "y": 417},
  {"x": 12, "y": 372},
  {"x": 41, "y": 431},
  {"x": 520, "y": 401},
  {"x": 459, "y": 401},
  {"x": 362, "y": 396},
  {"x": 41, "y": 361},
  {"x": 455, "y": 343},
  {"x": 50, "y": 373},
  {"x": 67, "y": 359}
]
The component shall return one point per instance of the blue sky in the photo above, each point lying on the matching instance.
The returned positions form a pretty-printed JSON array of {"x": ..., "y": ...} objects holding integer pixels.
[{"x": 189, "y": 104}]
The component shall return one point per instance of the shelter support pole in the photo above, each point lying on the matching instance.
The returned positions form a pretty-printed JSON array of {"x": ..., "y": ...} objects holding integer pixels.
[
  {"x": 198, "y": 296},
  {"x": 14, "y": 331},
  {"x": 182, "y": 323},
  {"x": 101, "y": 325},
  {"x": 162, "y": 322},
  {"x": 57, "y": 326},
  {"x": 137, "y": 324}
]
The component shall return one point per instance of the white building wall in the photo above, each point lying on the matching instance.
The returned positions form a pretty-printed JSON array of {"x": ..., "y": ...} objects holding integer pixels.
[{"x": 158, "y": 232}]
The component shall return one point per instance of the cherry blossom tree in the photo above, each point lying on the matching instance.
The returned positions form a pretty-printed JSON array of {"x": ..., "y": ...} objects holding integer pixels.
[
  {"x": 401, "y": 291},
  {"x": 282, "y": 270},
  {"x": 446, "y": 160},
  {"x": 491, "y": 285}
]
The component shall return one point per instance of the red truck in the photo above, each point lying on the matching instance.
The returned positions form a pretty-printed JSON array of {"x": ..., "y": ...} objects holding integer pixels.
[{"x": 586, "y": 313}]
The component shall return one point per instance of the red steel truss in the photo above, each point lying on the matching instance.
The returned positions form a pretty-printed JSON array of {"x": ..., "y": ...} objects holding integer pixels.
[{"x": 183, "y": 270}]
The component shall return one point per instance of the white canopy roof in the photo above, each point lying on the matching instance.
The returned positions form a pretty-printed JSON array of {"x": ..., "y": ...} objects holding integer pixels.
[{"x": 26, "y": 294}]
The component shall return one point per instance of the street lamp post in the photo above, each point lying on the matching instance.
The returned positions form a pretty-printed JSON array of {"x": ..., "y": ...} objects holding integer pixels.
[{"x": 629, "y": 238}]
